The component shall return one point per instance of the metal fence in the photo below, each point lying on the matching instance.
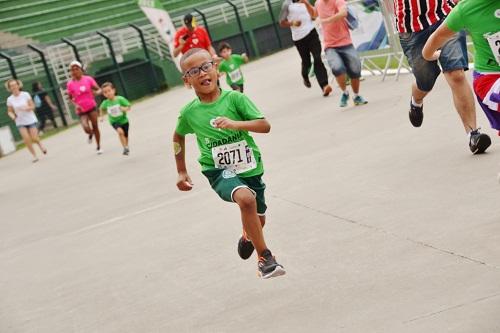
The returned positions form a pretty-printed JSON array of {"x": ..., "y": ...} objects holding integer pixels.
[{"x": 137, "y": 49}]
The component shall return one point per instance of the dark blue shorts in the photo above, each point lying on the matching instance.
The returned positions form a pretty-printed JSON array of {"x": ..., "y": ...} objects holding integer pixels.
[
  {"x": 344, "y": 59},
  {"x": 34, "y": 125},
  {"x": 453, "y": 56}
]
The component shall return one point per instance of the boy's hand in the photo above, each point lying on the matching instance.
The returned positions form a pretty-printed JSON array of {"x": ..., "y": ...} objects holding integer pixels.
[
  {"x": 184, "y": 182},
  {"x": 223, "y": 122},
  {"x": 123, "y": 108}
]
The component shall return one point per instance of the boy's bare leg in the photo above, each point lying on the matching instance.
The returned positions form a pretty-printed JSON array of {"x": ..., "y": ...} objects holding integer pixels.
[
  {"x": 355, "y": 85},
  {"x": 462, "y": 98},
  {"x": 262, "y": 219},
  {"x": 123, "y": 138},
  {"x": 417, "y": 94},
  {"x": 341, "y": 82},
  {"x": 251, "y": 222}
]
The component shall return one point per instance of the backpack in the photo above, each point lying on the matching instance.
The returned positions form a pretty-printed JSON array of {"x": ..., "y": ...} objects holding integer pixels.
[
  {"x": 352, "y": 19},
  {"x": 38, "y": 101}
]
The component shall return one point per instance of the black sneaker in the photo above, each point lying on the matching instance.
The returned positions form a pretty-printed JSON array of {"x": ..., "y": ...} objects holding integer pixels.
[
  {"x": 268, "y": 267},
  {"x": 416, "y": 115},
  {"x": 478, "y": 142},
  {"x": 307, "y": 83},
  {"x": 245, "y": 248}
]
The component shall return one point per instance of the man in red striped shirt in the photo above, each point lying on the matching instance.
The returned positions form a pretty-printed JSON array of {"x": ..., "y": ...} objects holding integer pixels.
[{"x": 416, "y": 20}]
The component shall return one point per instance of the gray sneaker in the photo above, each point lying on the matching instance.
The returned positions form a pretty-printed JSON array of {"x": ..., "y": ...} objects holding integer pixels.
[
  {"x": 359, "y": 100},
  {"x": 343, "y": 100},
  {"x": 268, "y": 267}
]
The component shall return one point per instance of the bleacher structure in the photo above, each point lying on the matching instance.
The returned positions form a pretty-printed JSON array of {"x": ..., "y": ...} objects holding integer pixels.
[
  {"x": 49, "y": 20},
  {"x": 43, "y": 23}
]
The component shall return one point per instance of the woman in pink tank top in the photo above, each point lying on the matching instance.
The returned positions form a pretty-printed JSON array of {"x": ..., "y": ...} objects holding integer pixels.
[{"x": 81, "y": 91}]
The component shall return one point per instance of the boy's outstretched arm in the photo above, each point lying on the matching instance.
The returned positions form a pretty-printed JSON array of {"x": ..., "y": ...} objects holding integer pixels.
[
  {"x": 257, "y": 125},
  {"x": 245, "y": 57},
  {"x": 184, "y": 182},
  {"x": 435, "y": 41}
]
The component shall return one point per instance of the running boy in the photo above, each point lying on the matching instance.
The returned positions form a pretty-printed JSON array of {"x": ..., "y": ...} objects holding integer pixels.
[
  {"x": 229, "y": 157},
  {"x": 117, "y": 108},
  {"x": 230, "y": 66},
  {"x": 482, "y": 19}
]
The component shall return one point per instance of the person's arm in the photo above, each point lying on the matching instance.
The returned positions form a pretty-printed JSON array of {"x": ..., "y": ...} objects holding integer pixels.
[
  {"x": 178, "y": 49},
  {"x": 257, "y": 125},
  {"x": 72, "y": 100},
  {"x": 287, "y": 24},
  {"x": 184, "y": 182},
  {"x": 245, "y": 57},
  {"x": 31, "y": 105},
  {"x": 284, "y": 23},
  {"x": 125, "y": 108},
  {"x": 101, "y": 113},
  {"x": 209, "y": 45},
  {"x": 212, "y": 51},
  {"x": 95, "y": 87},
  {"x": 11, "y": 113},
  {"x": 454, "y": 22},
  {"x": 342, "y": 14},
  {"x": 124, "y": 104},
  {"x": 49, "y": 102},
  {"x": 430, "y": 51},
  {"x": 310, "y": 9}
]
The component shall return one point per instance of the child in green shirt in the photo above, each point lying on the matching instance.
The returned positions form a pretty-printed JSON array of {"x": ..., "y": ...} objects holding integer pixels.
[
  {"x": 481, "y": 18},
  {"x": 229, "y": 157},
  {"x": 117, "y": 108},
  {"x": 230, "y": 66}
]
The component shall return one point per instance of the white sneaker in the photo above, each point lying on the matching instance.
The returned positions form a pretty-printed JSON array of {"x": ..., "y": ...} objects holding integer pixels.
[{"x": 100, "y": 151}]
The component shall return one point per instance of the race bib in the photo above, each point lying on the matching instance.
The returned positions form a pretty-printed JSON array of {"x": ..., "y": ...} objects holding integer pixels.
[
  {"x": 236, "y": 157},
  {"x": 115, "y": 111},
  {"x": 235, "y": 75},
  {"x": 494, "y": 41}
]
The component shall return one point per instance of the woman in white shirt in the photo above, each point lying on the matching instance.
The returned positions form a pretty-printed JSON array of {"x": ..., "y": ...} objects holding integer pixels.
[
  {"x": 20, "y": 108},
  {"x": 298, "y": 15}
]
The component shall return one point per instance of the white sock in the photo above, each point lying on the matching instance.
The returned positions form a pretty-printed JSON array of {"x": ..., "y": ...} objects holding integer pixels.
[
  {"x": 346, "y": 92},
  {"x": 356, "y": 95},
  {"x": 415, "y": 103}
]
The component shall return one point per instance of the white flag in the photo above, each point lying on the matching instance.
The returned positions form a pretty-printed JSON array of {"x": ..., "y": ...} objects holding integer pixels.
[{"x": 160, "y": 19}]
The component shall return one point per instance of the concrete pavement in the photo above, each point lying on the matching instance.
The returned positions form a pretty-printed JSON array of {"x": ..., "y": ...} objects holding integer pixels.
[{"x": 381, "y": 227}]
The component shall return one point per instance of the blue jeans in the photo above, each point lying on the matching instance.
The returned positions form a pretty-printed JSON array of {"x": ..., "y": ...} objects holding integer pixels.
[
  {"x": 343, "y": 60},
  {"x": 453, "y": 56}
]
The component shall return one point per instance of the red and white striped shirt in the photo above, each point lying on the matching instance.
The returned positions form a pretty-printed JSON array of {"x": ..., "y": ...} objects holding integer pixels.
[{"x": 417, "y": 15}]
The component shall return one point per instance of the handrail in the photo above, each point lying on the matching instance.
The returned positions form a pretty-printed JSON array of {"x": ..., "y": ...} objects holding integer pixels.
[{"x": 47, "y": 11}]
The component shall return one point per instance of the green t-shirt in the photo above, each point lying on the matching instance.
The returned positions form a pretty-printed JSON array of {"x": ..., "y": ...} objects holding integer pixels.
[
  {"x": 112, "y": 107},
  {"x": 482, "y": 19},
  {"x": 223, "y": 148},
  {"x": 232, "y": 69}
]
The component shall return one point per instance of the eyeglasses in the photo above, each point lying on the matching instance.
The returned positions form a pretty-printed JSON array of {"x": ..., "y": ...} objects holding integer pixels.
[{"x": 195, "y": 71}]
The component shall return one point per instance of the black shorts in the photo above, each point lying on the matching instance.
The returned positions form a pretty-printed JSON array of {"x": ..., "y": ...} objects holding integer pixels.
[
  {"x": 124, "y": 127},
  {"x": 237, "y": 87}
]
